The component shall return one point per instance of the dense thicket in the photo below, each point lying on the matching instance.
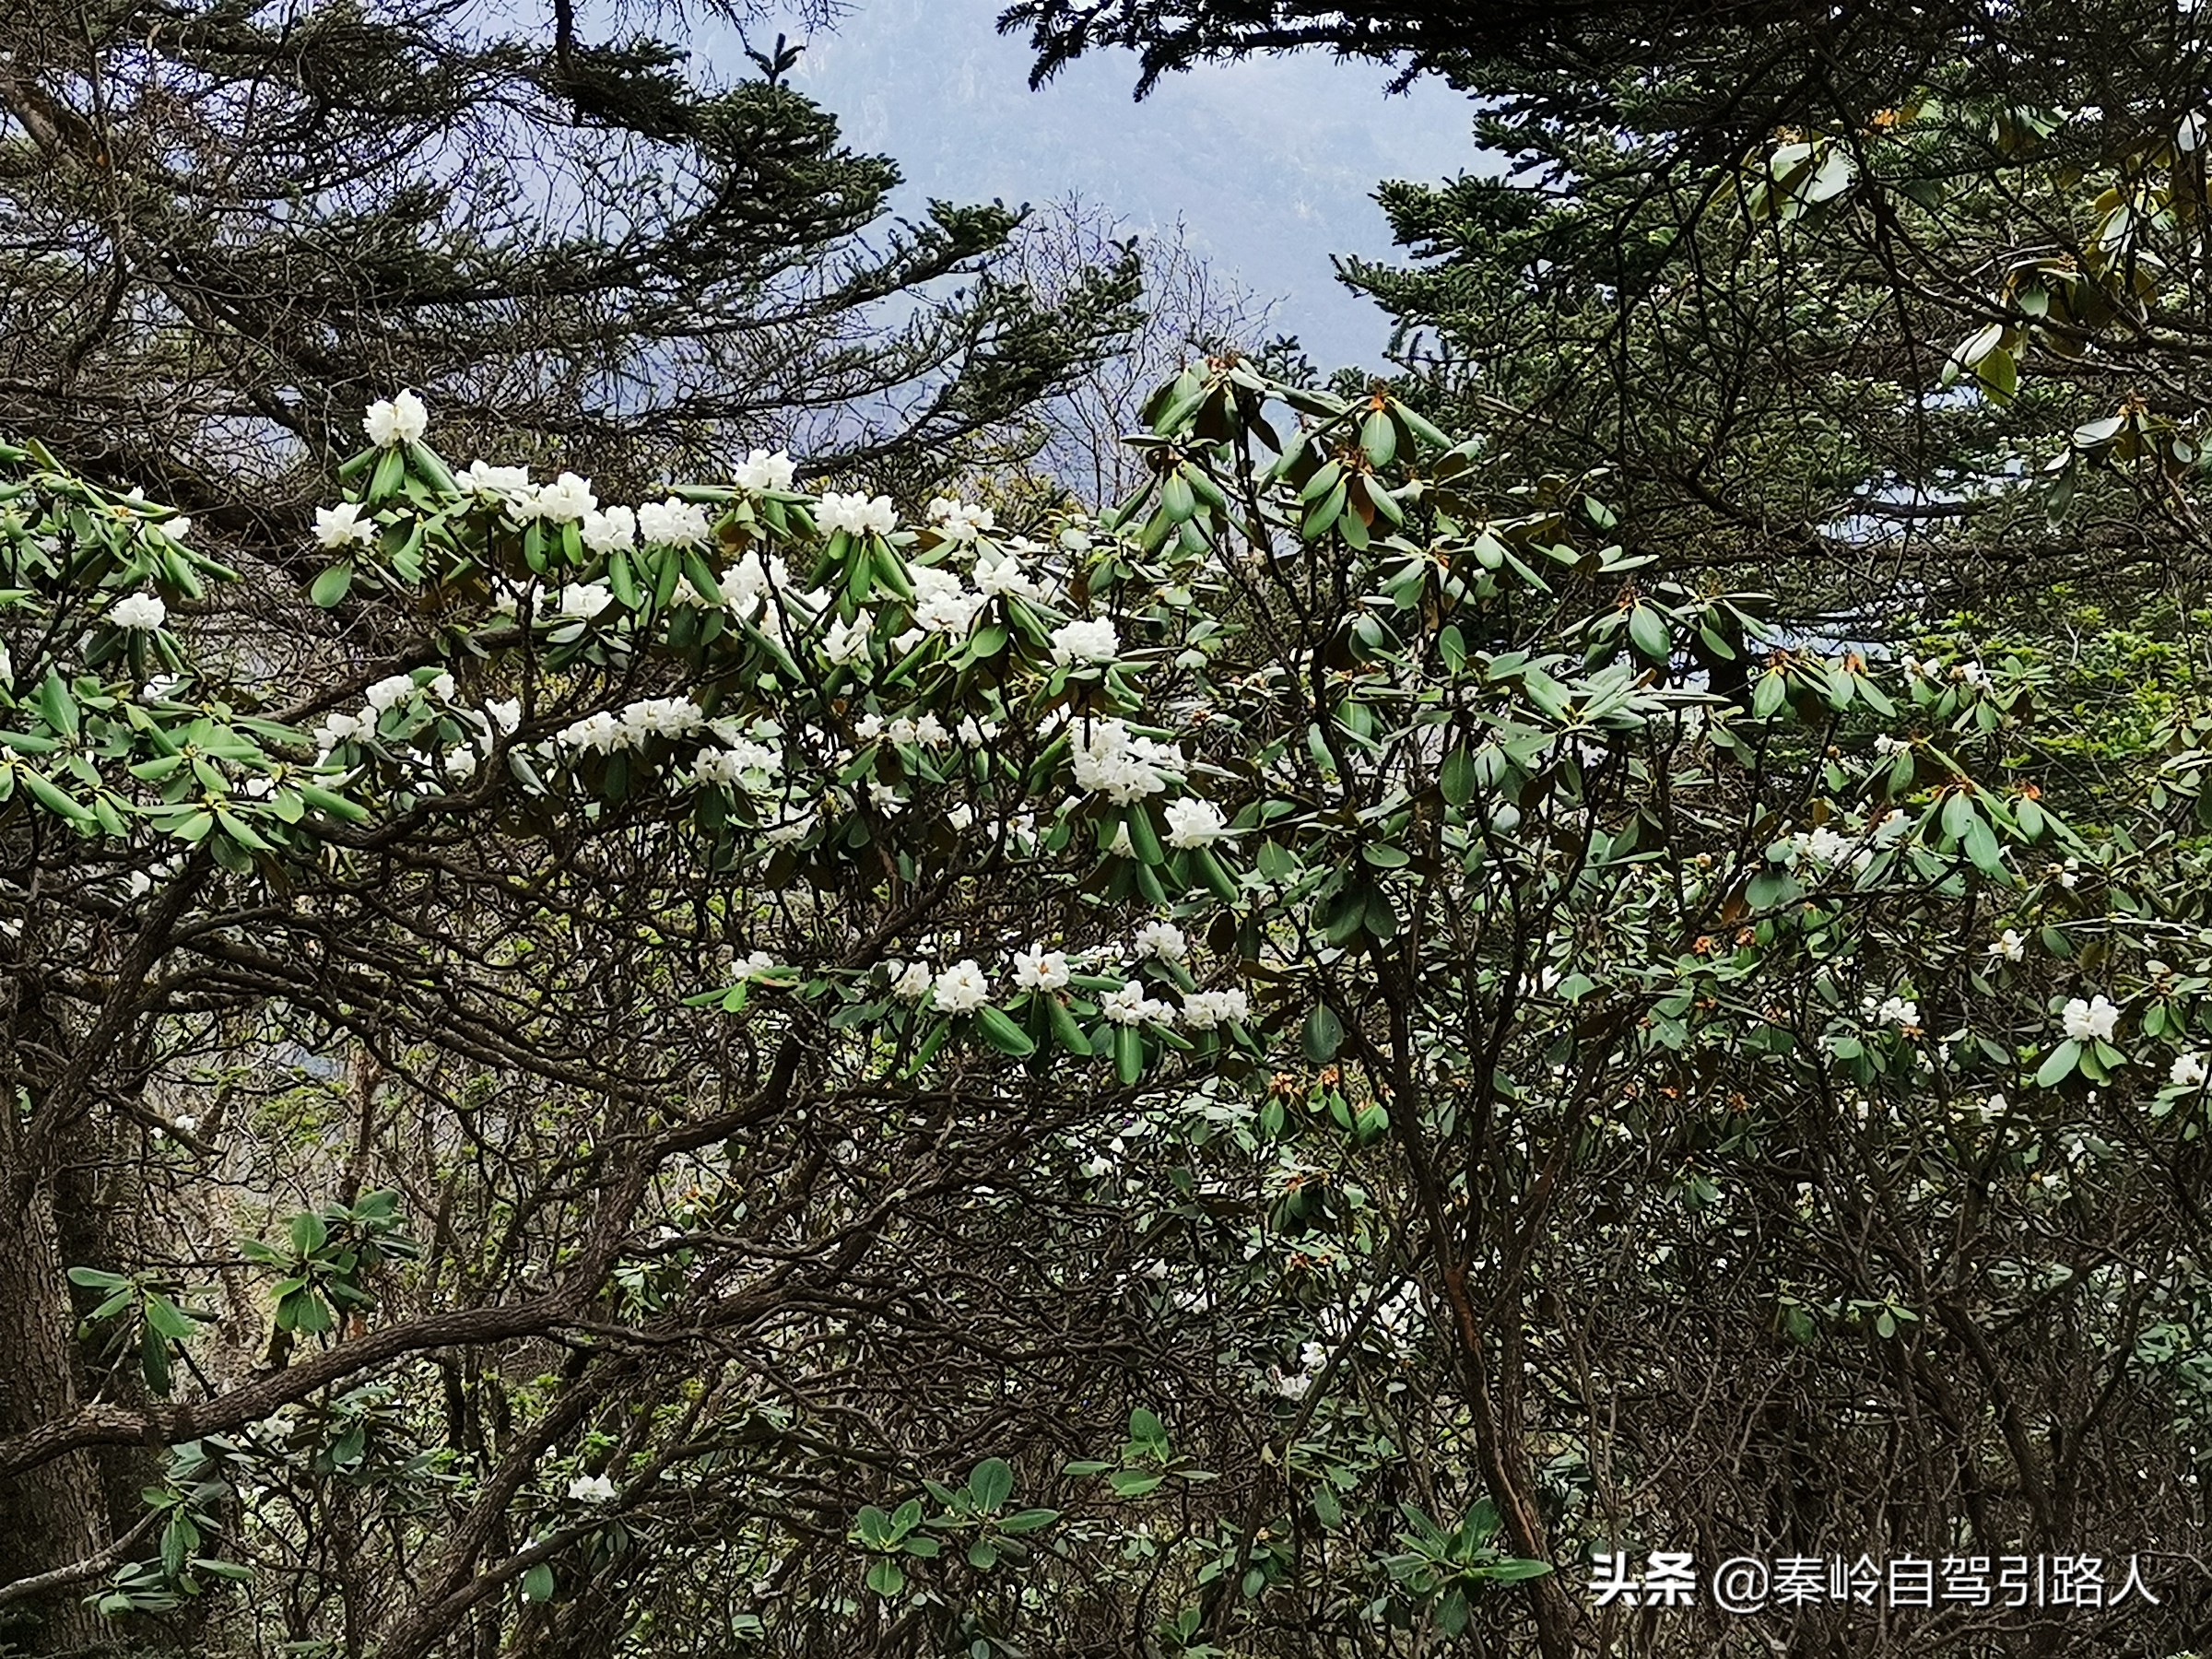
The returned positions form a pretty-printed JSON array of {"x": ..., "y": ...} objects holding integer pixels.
[{"x": 1263, "y": 1069}]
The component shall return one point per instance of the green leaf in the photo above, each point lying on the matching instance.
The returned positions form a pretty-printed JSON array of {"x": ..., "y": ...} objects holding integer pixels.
[
  {"x": 1322, "y": 1035},
  {"x": 153, "y": 1359},
  {"x": 1066, "y": 1031},
  {"x": 1455, "y": 781},
  {"x": 1767, "y": 696},
  {"x": 329, "y": 588},
  {"x": 1002, "y": 1033},
  {"x": 166, "y": 1317},
  {"x": 992, "y": 1483},
  {"x": 2060, "y": 1066},
  {"x": 1648, "y": 632},
  {"x": 538, "y": 1583},
  {"x": 52, "y": 798},
  {"x": 57, "y": 705},
  {"x": 1129, "y": 1054},
  {"x": 1378, "y": 438},
  {"x": 309, "y": 1233}
]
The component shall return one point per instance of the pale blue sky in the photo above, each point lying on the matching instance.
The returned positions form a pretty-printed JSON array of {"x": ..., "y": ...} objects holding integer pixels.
[{"x": 1270, "y": 163}]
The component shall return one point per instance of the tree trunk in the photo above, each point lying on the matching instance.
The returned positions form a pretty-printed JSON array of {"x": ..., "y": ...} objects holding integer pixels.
[{"x": 50, "y": 1515}]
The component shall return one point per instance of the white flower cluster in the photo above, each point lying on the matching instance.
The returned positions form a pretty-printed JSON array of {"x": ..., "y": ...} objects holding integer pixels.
[
  {"x": 567, "y": 501},
  {"x": 1000, "y": 574},
  {"x": 1123, "y": 766},
  {"x": 1128, "y": 1005},
  {"x": 343, "y": 525},
  {"x": 1312, "y": 1358},
  {"x": 1193, "y": 822},
  {"x": 139, "y": 613},
  {"x": 961, "y": 988},
  {"x": 489, "y": 483},
  {"x": 960, "y": 520},
  {"x": 926, "y": 731},
  {"x": 1161, "y": 940},
  {"x": 855, "y": 515},
  {"x": 675, "y": 522},
  {"x": 1204, "y": 1010},
  {"x": 2091, "y": 1021},
  {"x": 964, "y": 987},
  {"x": 635, "y": 726},
  {"x": 743, "y": 761},
  {"x": 1086, "y": 639},
  {"x": 1899, "y": 1011},
  {"x": 1040, "y": 970},
  {"x": 387, "y": 693},
  {"x": 392, "y": 422},
  {"x": 761, "y": 472},
  {"x": 943, "y": 603}
]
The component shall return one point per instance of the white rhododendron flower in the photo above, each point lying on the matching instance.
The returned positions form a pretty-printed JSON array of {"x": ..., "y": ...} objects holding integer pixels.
[
  {"x": 461, "y": 764},
  {"x": 1163, "y": 939},
  {"x": 1193, "y": 822},
  {"x": 391, "y": 691},
  {"x": 601, "y": 732},
  {"x": 507, "y": 714},
  {"x": 140, "y": 612},
  {"x": 1042, "y": 969},
  {"x": 911, "y": 981},
  {"x": 959, "y": 521},
  {"x": 489, "y": 483},
  {"x": 2189, "y": 1070},
  {"x": 2008, "y": 945},
  {"x": 761, "y": 471},
  {"x": 1822, "y": 845},
  {"x": 1088, "y": 639},
  {"x": 1005, "y": 576},
  {"x": 1123, "y": 766},
  {"x": 336, "y": 729},
  {"x": 1128, "y": 1005},
  {"x": 1204, "y": 1010},
  {"x": 395, "y": 420},
  {"x": 856, "y": 514},
  {"x": 1899, "y": 1011},
  {"x": 592, "y": 1488},
  {"x": 343, "y": 525},
  {"x": 675, "y": 522},
  {"x": 729, "y": 767},
  {"x": 949, "y": 613},
  {"x": 745, "y": 583},
  {"x": 661, "y": 717},
  {"x": 962, "y": 989},
  {"x": 846, "y": 643},
  {"x": 610, "y": 530},
  {"x": 2091, "y": 1021},
  {"x": 566, "y": 500},
  {"x": 583, "y": 599}
]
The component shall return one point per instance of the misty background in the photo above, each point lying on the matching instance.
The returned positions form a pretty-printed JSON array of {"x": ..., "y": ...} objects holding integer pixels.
[{"x": 1271, "y": 164}]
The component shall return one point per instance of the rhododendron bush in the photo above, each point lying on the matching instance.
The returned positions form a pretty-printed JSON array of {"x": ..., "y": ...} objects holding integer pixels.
[{"x": 1259, "y": 1068}]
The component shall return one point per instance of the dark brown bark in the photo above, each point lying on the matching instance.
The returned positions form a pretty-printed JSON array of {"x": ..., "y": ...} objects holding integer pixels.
[{"x": 48, "y": 1513}]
